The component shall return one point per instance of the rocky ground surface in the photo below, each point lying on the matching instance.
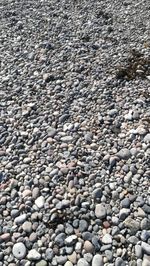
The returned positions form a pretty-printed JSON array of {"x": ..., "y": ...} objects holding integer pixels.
[{"x": 75, "y": 133}]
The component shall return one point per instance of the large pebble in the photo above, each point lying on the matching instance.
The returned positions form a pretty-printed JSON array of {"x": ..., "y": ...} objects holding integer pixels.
[
  {"x": 40, "y": 202},
  {"x": 100, "y": 211},
  {"x": 107, "y": 239},
  {"x": 34, "y": 255},
  {"x": 124, "y": 154},
  {"x": 82, "y": 262},
  {"x": 19, "y": 251},
  {"x": 20, "y": 219},
  {"x": 146, "y": 248},
  {"x": 97, "y": 260}
]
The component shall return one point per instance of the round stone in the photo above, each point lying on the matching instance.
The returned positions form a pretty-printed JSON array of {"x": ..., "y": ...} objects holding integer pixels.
[
  {"x": 19, "y": 251},
  {"x": 82, "y": 262},
  {"x": 100, "y": 211},
  {"x": 88, "y": 246},
  {"x": 97, "y": 260}
]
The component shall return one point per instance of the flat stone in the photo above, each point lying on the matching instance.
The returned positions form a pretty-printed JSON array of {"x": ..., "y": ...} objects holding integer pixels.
[
  {"x": 34, "y": 255},
  {"x": 100, "y": 211},
  {"x": 40, "y": 202},
  {"x": 97, "y": 260},
  {"x": 124, "y": 154},
  {"x": 19, "y": 251}
]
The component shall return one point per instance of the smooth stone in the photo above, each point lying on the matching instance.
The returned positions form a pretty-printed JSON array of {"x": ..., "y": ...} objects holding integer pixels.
[
  {"x": 147, "y": 138},
  {"x": 107, "y": 239},
  {"x": 35, "y": 192},
  {"x": 20, "y": 219},
  {"x": 124, "y": 154},
  {"x": 61, "y": 260},
  {"x": 19, "y": 251},
  {"x": 82, "y": 262},
  {"x": 145, "y": 224},
  {"x": 97, "y": 193},
  {"x": 146, "y": 248},
  {"x": 100, "y": 211},
  {"x": 67, "y": 139},
  {"x": 83, "y": 225},
  {"x": 109, "y": 255},
  {"x": 119, "y": 262},
  {"x": 88, "y": 247},
  {"x": 33, "y": 254},
  {"x": 138, "y": 251},
  {"x": 133, "y": 240},
  {"x": 97, "y": 260},
  {"x": 146, "y": 261},
  {"x": 41, "y": 263},
  {"x": 88, "y": 257},
  {"x": 124, "y": 212},
  {"x": 40, "y": 202},
  {"x": 125, "y": 203},
  {"x": 68, "y": 263},
  {"x": 73, "y": 257},
  {"x": 70, "y": 240},
  {"x": 27, "y": 227}
]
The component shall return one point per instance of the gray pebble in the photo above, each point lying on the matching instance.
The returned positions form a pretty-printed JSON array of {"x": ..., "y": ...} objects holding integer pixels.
[
  {"x": 100, "y": 211},
  {"x": 97, "y": 260}
]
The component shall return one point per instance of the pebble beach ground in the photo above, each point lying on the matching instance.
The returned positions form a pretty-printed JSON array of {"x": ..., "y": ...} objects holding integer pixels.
[{"x": 74, "y": 133}]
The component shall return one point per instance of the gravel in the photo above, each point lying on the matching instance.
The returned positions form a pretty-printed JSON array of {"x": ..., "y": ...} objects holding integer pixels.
[{"x": 74, "y": 133}]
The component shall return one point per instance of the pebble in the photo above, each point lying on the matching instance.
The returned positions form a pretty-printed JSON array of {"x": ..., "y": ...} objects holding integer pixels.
[
  {"x": 70, "y": 240},
  {"x": 100, "y": 211},
  {"x": 40, "y": 202},
  {"x": 19, "y": 251},
  {"x": 107, "y": 239},
  {"x": 89, "y": 248},
  {"x": 82, "y": 262},
  {"x": 124, "y": 213},
  {"x": 138, "y": 251},
  {"x": 124, "y": 154},
  {"x": 146, "y": 248},
  {"x": 33, "y": 255},
  {"x": 20, "y": 219},
  {"x": 97, "y": 260},
  {"x": 41, "y": 263},
  {"x": 68, "y": 263}
]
